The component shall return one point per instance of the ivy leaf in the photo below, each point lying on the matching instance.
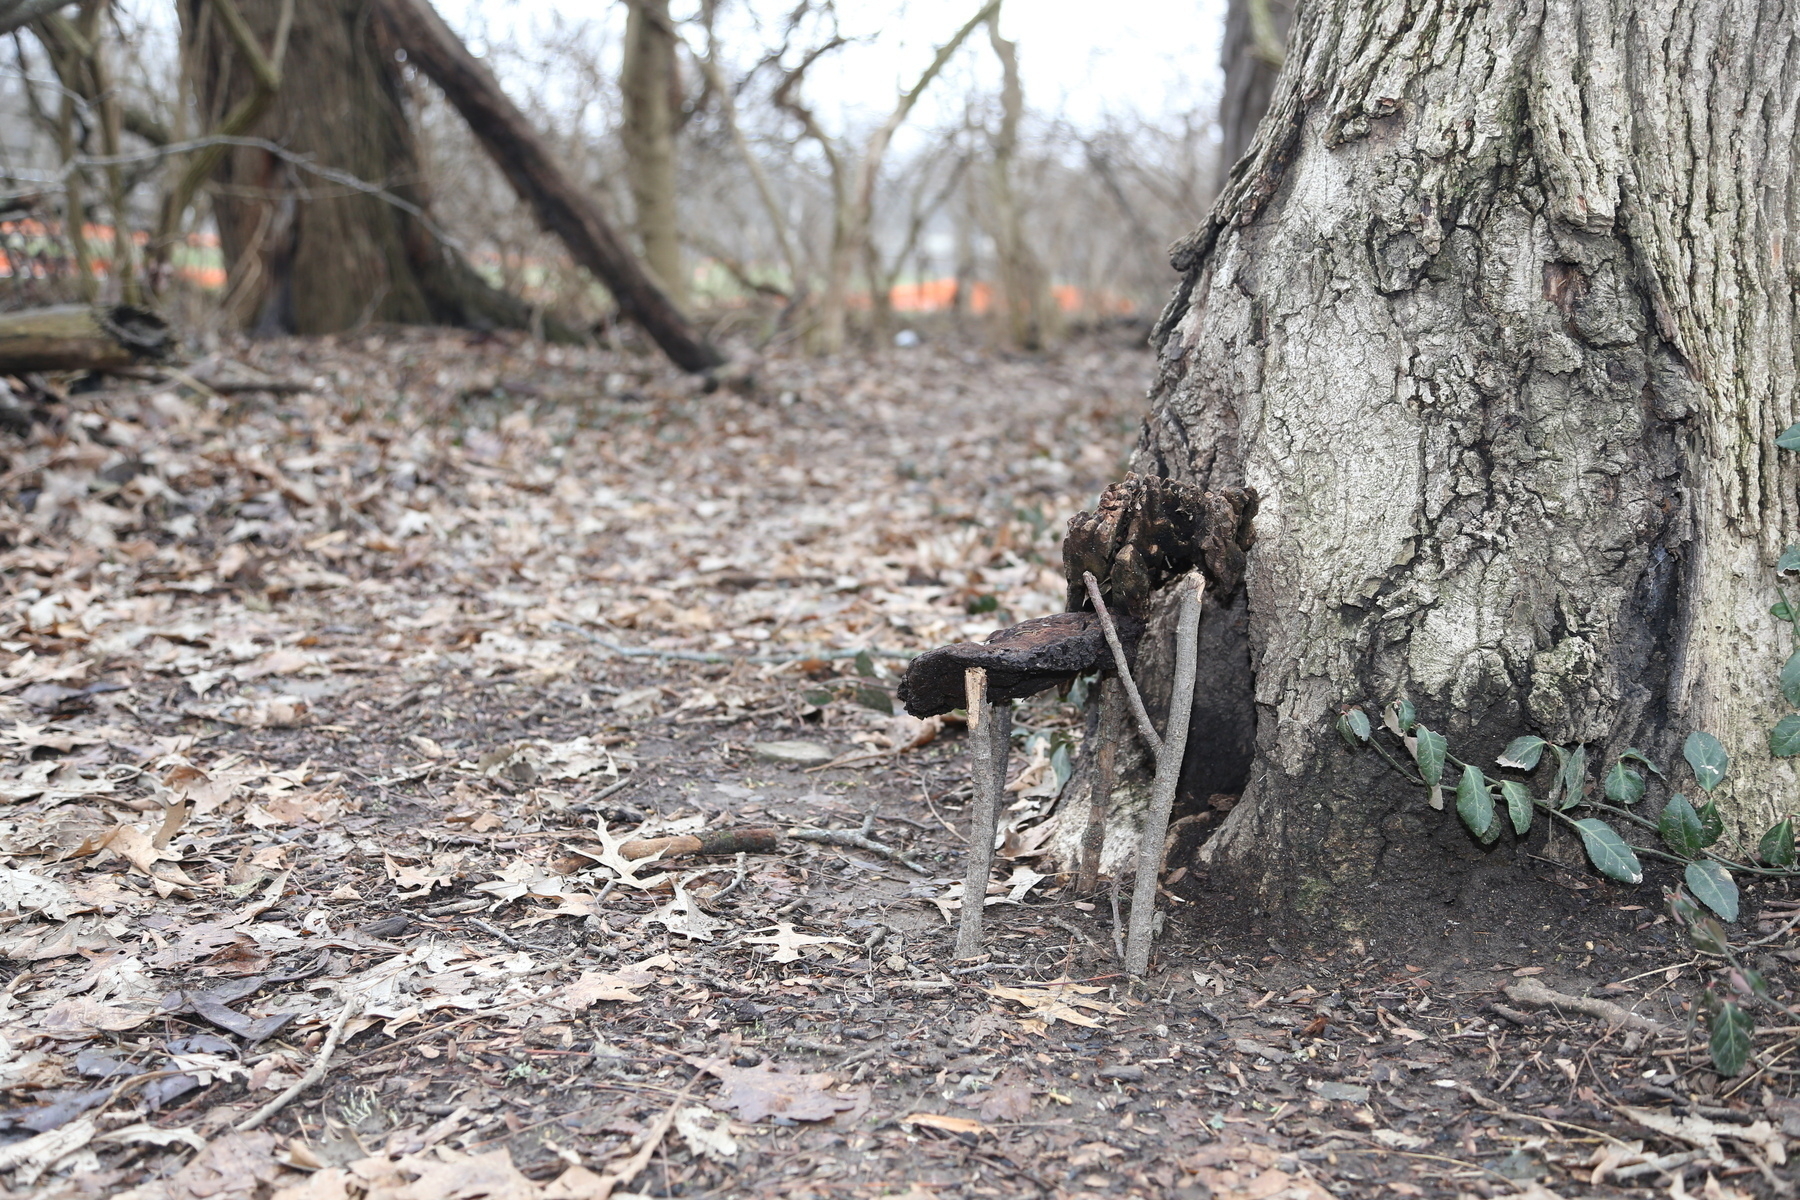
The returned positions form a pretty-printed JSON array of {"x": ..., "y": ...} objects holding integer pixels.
[
  {"x": 1790, "y": 679},
  {"x": 1639, "y": 756},
  {"x": 1623, "y": 785},
  {"x": 1518, "y": 805},
  {"x": 819, "y": 698},
  {"x": 1781, "y": 611},
  {"x": 1730, "y": 1042},
  {"x": 1608, "y": 851},
  {"x": 1523, "y": 752},
  {"x": 1709, "y": 936},
  {"x": 1714, "y": 887},
  {"x": 1707, "y": 758},
  {"x": 1680, "y": 826},
  {"x": 1789, "y": 560},
  {"x": 865, "y": 665},
  {"x": 1712, "y": 825},
  {"x": 1428, "y": 752},
  {"x": 1777, "y": 846},
  {"x": 1784, "y": 739},
  {"x": 1473, "y": 804},
  {"x": 875, "y": 698},
  {"x": 1353, "y": 727},
  {"x": 1562, "y": 764},
  {"x": 1399, "y": 717},
  {"x": 1574, "y": 776},
  {"x": 1789, "y": 438}
]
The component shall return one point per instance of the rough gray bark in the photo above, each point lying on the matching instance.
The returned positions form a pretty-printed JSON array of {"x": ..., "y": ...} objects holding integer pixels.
[{"x": 1495, "y": 314}]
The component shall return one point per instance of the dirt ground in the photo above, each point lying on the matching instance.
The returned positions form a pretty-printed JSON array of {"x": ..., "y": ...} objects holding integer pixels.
[{"x": 339, "y": 676}]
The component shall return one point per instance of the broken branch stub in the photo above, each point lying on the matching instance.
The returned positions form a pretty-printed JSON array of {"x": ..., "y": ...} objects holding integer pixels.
[
  {"x": 1020, "y": 661},
  {"x": 1146, "y": 531}
]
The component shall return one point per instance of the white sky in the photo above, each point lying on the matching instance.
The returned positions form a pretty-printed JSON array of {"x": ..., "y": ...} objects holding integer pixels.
[{"x": 1079, "y": 60}]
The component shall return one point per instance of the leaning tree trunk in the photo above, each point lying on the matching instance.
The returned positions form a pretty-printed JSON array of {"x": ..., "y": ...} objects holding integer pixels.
[
  {"x": 306, "y": 255},
  {"x": 1494, "y": 315}
]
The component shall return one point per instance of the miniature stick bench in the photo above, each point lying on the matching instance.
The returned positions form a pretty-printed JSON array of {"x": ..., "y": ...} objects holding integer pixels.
[{"x": 1143, "y": 534}]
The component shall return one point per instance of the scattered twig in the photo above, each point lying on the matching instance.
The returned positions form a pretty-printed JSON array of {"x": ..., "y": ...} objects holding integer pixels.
[
  {"x": 1532, "y": 992},
  {"x": 508, "y": 938},
  {"x": 611, "y": 789},
  {"x": 737, "y": 881},
  {"x": 952, "y": 830},
  {"x": 1146, "y": 730},
  {"x": 1118, "y": 925},
  {"x": 317, "y": 1072},
  {"x": 1168, "y": 773},
  {"x": 857, "y": 839},
  {"x": 990, "y": 738},
  {"x": 634, "y": 1166}
]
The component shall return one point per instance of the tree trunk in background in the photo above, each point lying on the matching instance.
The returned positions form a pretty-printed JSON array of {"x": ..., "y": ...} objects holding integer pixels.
[
  {"x": 1255, "y": 40},
  {"x": 651, "y": 87},
  {"x": 305, "y": 255},
  {"x": 1024, "y": 287},
  {"x": 1495, "y": 317}
]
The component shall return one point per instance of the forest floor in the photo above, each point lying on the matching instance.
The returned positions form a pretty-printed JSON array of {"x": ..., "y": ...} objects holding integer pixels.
[{"x": 322, "y": 752}]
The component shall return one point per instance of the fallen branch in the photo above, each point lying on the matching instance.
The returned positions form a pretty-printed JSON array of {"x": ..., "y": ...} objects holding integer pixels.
[
  {"x": 714, "y": 841},
  {"x": 317, "y": 1072},
  {"x": 1142, "y": 929},
  {"x": 75, "y": 337},
  {"x": 1146, "y": 730},
  {"x": 1536, "y": 994},
  {"x": 857, "y": 839},
  {"x": 990, "y": 738}
]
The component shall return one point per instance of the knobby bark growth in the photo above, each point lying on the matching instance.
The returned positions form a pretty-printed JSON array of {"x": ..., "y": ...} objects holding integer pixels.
[
  {"x": 305, "y": 256},
  {"x": 1495, "y": 316}
]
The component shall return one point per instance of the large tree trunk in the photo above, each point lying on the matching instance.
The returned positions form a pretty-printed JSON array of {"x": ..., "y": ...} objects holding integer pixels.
[
  {"x": 1495, "y": 316},
  {"x": 651, "y": 89},
  {"x": 306, "y": 255}
]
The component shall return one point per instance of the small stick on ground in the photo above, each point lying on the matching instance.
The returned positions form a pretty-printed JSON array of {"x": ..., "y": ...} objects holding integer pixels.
[
  {"x": 858, "y": 839},
  {"x": 990, "y": 737},
  {"x": 320, "y": 1065},
  {"x": 1146, "y": 730},
  {"x": 1538, "y": 996},
  {"x": 1168, "y": 772}
]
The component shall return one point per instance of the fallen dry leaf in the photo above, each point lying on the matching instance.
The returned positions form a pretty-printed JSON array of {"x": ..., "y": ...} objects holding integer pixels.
[
  {"x": 766, "y": 1090},
  {"x": 788, "y": 942},
  {"x": 1059, "y": 1002},
  {"x": 947, "y": 1124}
]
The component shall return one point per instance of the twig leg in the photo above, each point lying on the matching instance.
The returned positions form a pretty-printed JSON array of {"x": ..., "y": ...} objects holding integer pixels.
[
  {"x": 990, "y": 738},
  {"x": 1093, "y": 838},
  {"x": 1146, "y": 729},
  {"x": 1168, "y": 772}
]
